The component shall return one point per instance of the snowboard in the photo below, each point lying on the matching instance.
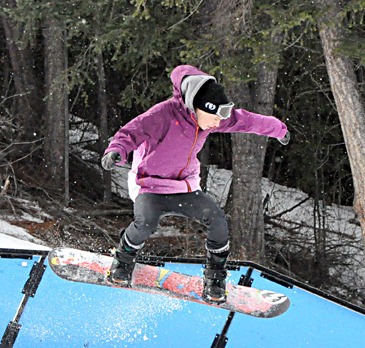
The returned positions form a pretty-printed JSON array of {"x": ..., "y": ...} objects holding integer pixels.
[{"x": 87, "y": 267}]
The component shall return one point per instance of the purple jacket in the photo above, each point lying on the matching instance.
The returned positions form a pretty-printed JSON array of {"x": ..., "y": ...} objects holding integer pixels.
[{"x": 166, "y": 140}]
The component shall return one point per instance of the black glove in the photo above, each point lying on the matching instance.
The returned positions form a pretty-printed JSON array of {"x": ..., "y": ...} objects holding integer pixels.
[
  {"x": 285, "y": 140},
  {"x": 108, "y": 161}
]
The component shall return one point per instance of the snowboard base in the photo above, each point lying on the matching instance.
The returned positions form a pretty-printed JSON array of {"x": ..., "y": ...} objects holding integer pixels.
[{"x": 87, "y": 267}]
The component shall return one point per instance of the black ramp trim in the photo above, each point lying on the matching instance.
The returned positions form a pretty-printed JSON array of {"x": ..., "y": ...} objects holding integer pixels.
[
  {"x": 277, "y": 280},
  {"x": 21, "y": 253},
  {"x": 35, "y": 277},
  {"x": 10, "y": 335}
]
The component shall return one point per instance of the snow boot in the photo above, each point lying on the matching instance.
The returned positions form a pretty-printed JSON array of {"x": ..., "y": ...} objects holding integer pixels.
[
  {"x": 215, "y": 274},
  {"x": 121, "y": 270}
]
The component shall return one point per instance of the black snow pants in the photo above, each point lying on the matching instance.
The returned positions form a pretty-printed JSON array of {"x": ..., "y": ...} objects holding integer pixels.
[{"x": 149, "y": 208}]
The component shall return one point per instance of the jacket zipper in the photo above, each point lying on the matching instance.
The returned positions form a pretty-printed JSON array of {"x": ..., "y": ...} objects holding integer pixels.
[{"x": 191, "y": 152}]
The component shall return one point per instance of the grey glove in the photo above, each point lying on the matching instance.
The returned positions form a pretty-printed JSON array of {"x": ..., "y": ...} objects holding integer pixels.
[
  {"x": 108, "y": 161},
  {"x": 285, "y": 140}
]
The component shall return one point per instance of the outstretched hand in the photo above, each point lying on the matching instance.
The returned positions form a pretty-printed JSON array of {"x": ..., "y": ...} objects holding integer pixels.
[{"x": 286, "y": 139}]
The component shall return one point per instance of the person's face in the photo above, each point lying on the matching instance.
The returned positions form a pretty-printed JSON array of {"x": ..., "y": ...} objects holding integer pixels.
[{"x": 206, "y": 120}]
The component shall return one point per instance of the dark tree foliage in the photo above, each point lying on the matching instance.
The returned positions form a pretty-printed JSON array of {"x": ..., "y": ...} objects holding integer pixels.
[{"x": 119, "y": 56}]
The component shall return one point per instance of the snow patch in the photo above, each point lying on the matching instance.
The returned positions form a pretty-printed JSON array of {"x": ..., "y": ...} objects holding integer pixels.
[{"x": 14, "y": 237}]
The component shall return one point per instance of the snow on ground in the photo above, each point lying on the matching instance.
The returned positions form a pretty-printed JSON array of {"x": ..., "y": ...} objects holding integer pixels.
[
  {"x": 9, "y": 242},
  {"x": 14, "y": 237},
  {"x": 301, "y": 219},
  {"x": 333, "y": 225},
  {"x": 29, "y": 211},
  {"x": 218, "y": 184}
]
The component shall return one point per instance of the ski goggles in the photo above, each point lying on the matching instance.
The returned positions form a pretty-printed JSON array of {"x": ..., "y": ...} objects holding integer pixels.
[{"x": 224, "y": 110}]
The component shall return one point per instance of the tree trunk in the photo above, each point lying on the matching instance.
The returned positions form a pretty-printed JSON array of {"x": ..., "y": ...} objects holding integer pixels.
[
  {"x": 29, "y": 105},
  {"x": 248, "y": 150},
  {"x": 56, "y": 91},
  {"x": 67, "y": 129},
  {"x": 349, "y": 103},
  {"x": 247, "y": 222},
  {"x": 103, "y": 116},
  {"x": 248, "y": 155}
]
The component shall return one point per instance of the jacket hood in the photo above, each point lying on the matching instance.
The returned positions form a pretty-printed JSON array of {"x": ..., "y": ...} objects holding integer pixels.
[{"x": 187, "y": 80}]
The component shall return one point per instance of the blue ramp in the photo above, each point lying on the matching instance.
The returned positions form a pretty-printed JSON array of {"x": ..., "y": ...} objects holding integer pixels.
[{"x": 66, "y": 314}]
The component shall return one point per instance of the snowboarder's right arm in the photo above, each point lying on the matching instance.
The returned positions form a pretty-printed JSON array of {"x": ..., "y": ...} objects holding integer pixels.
[{"x": 142, "y": 128}]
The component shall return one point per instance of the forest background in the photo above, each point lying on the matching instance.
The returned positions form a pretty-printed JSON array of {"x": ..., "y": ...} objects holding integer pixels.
[{"x": 97, "y": 64}]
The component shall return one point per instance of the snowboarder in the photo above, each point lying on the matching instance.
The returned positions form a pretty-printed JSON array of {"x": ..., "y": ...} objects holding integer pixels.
[{"x": 164, "y": 178}]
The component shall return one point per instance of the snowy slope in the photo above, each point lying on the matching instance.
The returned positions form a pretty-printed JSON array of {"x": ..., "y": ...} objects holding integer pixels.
[
  {"x": 303, "y": 225},
  {"x": 13, "y": 237}
]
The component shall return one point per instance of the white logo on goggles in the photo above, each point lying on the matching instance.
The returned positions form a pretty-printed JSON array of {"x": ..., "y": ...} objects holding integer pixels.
[{"x": 224, "y": 110}]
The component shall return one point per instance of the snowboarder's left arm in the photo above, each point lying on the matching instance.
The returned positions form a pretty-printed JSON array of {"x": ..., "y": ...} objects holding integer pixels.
[{"x": 243, "y": 121}]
